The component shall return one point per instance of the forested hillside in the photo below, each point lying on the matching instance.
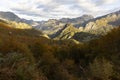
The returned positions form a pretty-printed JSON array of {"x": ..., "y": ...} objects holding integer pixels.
[{"x": 26, "y": 56}]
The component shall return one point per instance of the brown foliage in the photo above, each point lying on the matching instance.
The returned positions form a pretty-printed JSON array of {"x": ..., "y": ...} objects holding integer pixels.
[{"x": 27, "y": 56}]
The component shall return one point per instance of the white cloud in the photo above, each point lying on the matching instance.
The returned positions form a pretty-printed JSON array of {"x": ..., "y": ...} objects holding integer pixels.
[
  {"x": 88, "y": 5},
  {"x": 109, "y": 1},
  {"x": 45, "y": 9}
]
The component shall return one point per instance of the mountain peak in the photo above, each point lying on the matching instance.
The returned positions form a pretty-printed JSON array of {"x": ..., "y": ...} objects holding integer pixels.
[
  {"x": 86, "y": 15},
  {"x": 9, "y": 16}
]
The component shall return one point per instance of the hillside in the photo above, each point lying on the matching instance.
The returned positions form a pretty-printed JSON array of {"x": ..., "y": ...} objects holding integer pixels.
[
  {"x": 84, "y": 36},
  {"x": 26, "y": 56},
  {"x": 17, "y": 25},
  {"x": 8, "y": 29}
]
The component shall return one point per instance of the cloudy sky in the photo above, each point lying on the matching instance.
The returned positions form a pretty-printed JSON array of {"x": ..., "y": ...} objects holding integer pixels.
[{"x": 49, "y": 9}]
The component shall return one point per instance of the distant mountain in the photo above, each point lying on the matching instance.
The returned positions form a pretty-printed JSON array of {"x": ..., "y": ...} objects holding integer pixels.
[
  {"x": 103, "y": 24},
  {"x": 48, "y": 27},
  {"x": 15, "y": 21},
  {"x": 91, "y": 29},
  {"x": 77, "y": 21},
  {"x": 13, "y": 17},
  {"x": 9, "y": 16},
  {"x": 52, "y": 26},
  {"x": 82, "y": 28}
]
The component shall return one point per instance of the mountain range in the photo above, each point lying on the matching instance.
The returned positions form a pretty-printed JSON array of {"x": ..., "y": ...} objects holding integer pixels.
[{"x": 83, "y": 28}]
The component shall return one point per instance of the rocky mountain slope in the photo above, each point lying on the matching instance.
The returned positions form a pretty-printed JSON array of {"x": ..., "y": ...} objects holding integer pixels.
[
  {"x": 66, "y": 32},
  {"x": 102, "y": 25}
]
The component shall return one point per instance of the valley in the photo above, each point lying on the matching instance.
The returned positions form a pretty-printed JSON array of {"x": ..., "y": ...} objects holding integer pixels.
[{"x": 81, "y": 48}]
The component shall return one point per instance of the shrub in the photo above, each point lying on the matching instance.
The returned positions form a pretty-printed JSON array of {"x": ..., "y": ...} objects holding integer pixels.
[{"x": 101, "y": 69}]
